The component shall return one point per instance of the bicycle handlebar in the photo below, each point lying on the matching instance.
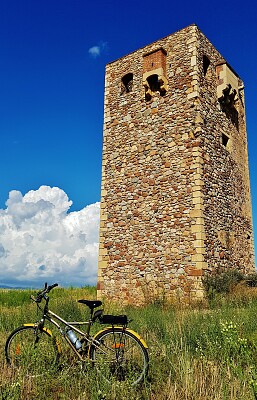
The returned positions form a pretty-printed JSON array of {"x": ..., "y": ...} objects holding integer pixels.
[{"x": 41, "y": 294}]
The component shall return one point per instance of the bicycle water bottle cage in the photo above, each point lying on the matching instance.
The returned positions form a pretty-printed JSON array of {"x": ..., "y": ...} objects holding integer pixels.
[{"x": 91, "y": 303}]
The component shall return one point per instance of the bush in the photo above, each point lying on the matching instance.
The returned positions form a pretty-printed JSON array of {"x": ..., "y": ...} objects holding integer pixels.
[
  {"x": 251, "y": 280},
  {"x": 225, "y": 282},
  {"x": 222, "y": 282}
]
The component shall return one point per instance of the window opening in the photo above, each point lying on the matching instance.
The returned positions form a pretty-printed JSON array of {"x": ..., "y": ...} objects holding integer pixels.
[
  {"x": 232, "y": 114},
  {"x": 206, "y": 63},
  {"x": 227, "y": 102},
  {"x": 154, "y": 83},
  {"x": 127, "y": 83},
  {"x": 225, "y": 140},
  {"x": 227, "y": 91}
]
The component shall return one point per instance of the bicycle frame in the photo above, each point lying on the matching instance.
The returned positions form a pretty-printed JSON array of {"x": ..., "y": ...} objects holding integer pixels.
[
  {"x": 52, "y": 317},
  {"x": 47, "y": 314}
]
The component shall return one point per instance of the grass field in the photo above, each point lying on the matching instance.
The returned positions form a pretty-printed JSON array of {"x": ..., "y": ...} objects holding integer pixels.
[{"x": 196, "y": 353}]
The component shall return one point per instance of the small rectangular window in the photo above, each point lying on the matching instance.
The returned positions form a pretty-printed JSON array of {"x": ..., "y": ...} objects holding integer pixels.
[
  {"x": 225, "y": 140},
  {"x": 127, "y": 83},
  {"x": 206, "y": 64}
]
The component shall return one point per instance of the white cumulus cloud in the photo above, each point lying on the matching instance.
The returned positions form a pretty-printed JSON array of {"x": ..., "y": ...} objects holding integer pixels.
[{"x": 40, "y": 240}]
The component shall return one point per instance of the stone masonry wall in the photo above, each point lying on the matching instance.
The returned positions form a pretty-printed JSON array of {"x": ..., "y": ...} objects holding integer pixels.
[
  {"x": 171, "y": 191},
  {"x": 227, "y": 200}
]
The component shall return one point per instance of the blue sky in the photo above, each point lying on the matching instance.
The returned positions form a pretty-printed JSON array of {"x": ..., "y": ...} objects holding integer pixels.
[{"x": 52, "y": 60}]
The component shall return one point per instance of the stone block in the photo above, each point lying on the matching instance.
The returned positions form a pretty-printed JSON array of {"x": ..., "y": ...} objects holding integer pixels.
[
  {"x": 198, "y": 243},
  {"x": 102, "y": 264},
  {"x": 197, "y": 194},
  {"x": 192, "y": 95},
  {"x": 196, "y": 213},
  {"x": 198, "y": 200},
  {"x": 200, "y": 236},
  {"x": 193, "y": 61},
  {"x": 197, "y": 228},
  {"x": 197, "y": 257},
  {"x": 195, "y": 272}
]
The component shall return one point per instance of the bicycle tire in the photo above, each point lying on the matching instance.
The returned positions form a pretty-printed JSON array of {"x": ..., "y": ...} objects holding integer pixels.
[
  {"x": 32, "y": 350},
  {"x": 119, "y": 355}
]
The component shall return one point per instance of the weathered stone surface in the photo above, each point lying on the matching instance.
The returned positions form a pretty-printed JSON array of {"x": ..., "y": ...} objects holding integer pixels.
[{"x": 175, "y": 198}]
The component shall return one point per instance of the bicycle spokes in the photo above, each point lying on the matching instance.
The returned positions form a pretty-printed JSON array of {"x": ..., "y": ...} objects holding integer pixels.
[
  {"x": 120, "y": 356},
  {"x": 32, "y": 350}
]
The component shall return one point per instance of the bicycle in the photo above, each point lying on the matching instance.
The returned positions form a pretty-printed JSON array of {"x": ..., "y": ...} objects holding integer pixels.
[{"x": 117, "y": 352}]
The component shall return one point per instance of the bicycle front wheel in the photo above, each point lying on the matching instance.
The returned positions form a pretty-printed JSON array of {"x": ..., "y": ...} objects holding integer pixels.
[
  {"x": 119, "y": 355},
  {"x": 33, "y": 350}
]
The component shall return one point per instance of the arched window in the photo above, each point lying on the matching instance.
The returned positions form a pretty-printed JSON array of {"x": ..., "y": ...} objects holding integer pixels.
[
  {"x": 127, "y": 83},
  {"x": 154, "y": 84}
]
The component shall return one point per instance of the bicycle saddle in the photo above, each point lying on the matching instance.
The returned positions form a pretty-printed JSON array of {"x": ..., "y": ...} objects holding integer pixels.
[{"x": 91, "y": 303}]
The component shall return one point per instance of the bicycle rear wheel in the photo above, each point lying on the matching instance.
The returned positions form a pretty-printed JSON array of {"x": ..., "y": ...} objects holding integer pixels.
[
  {"x": 32, "y": 350},
  {"x": 119, "y": 355}
]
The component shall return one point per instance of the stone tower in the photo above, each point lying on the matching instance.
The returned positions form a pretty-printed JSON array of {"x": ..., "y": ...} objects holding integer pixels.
[{"x": 175, "y": 199}]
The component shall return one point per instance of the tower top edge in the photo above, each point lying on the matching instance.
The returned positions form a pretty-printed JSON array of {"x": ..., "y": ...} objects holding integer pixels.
[{"x": 155, "y": 41}]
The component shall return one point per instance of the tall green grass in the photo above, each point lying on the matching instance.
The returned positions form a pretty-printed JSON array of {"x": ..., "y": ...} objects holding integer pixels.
[{"x": 196, "y": 353}]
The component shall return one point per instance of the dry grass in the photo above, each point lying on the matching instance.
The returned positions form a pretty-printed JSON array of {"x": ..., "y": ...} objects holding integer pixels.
[{"x": 177, "y": 370}]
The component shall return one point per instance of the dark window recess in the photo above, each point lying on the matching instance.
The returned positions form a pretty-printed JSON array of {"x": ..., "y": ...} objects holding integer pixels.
[
  {"x": 232, "y": 114},
  {"x": 127, "y": 83},
  {"x": 155, "y": 84},
  {"x": 206, "y": 64},
  {"x": 225, "y": 139},
  {"x": 227, "y": 102}
]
